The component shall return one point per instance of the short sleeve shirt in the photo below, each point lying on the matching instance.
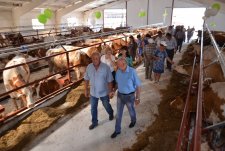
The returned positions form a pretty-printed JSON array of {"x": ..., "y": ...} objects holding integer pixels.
[
  {"x": 99, "y": 79},
  {"x": 127, "y": 81}
]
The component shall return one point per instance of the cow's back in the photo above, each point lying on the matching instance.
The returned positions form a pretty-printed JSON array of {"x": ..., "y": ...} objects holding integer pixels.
[{"x": 60, "y": 61}]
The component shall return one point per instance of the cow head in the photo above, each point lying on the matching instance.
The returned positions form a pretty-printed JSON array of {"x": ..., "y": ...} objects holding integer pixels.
[{"x": 48, "y": 86}]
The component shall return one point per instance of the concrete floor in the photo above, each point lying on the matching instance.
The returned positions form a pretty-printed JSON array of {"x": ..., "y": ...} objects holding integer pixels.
[{"x": 74, "y": 135}]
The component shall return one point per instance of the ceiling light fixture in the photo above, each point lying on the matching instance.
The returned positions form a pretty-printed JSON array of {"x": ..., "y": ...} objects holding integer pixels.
[{"x": 77, "y": 2}]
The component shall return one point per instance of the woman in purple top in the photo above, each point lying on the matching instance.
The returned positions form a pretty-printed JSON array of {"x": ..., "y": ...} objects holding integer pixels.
[{"x": 159, "y": 56}]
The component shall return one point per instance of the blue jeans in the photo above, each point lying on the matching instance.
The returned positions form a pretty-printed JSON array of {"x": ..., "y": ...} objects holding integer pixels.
[
  {"x": 122, "y": 100},
  {"x": 94, "y": 106}
]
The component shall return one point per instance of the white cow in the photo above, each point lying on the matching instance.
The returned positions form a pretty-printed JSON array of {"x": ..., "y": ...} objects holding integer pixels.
[{"x": 17, "y": 77}]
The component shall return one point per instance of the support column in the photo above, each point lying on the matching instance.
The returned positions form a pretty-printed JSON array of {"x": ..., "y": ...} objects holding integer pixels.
[
  {"x": 15, "y": 18},
  {"x": 171, "y": 17},
  {"x": 126, "y": 13},
  {"x": 147, "y": 12}
]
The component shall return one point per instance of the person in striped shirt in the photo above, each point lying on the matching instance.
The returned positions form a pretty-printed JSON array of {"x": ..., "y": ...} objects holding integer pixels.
[{"x": 148, "y": 55}]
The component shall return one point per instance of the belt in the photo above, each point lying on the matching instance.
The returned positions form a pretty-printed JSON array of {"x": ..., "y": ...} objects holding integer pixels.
[
  {"x": 170, "y": 49},
  {"x": 127, "y": 94}
]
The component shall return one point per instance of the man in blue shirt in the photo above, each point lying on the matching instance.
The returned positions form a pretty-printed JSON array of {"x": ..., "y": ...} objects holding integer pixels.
[
  {"x": 100, "y": 78},
  {"x": 128, "y": 93}
]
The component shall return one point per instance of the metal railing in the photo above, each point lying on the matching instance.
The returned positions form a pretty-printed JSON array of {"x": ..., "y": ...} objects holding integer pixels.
[
  {"x": 194, "y": 143},
  {"x": 198, "y": 121},
  {"x": 185, "y": 125},
  {"x": 37, "y": 33},
  {"x": 30, "y": 47},
  {"x": 219, "y": 53}
]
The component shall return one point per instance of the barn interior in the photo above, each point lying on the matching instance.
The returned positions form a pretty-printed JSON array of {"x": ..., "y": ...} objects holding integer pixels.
[{"x": 47, "y": 45}]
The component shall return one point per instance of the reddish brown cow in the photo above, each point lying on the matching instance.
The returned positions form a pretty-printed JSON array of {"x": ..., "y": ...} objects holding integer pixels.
[
  {"x": 220, "y": 39},
  {"x": 115, "y": 44},
  {"x": 39, "y": 53},
  {"x": 49, "y": 85}
]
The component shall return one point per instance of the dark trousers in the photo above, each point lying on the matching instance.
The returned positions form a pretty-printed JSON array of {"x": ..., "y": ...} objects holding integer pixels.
[
  {"x": 114, "y": 76},
  {"x": 170, "y": 53},
  {"x": 94, "y": 107},
  {"x": 179, "y": 44}
]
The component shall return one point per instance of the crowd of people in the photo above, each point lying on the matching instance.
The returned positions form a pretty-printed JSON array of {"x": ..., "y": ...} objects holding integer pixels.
[{"x": 106, "y": 73}]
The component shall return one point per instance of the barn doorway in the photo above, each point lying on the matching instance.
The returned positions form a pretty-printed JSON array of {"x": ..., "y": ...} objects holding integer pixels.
[{"x": 189, "y": 17}]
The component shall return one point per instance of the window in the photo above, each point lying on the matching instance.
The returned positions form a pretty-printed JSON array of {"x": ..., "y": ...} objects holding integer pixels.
[
  {"x": 114, "y": 18},
  {"x": 37, "y": 25},
  {"x": 71, "y": 21}
]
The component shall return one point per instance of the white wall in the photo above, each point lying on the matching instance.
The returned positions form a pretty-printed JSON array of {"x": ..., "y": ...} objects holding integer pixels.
[
  {"x": 133, "y": 8},
  {"x": 218, "y": 20},
  {"x": 78, "y": 15},
  {"x": 26, "y": 19},
  {"x": 157, "y": 8},
  {"x": 6, "y": 18},
  {"x": 89, "y": 15}
]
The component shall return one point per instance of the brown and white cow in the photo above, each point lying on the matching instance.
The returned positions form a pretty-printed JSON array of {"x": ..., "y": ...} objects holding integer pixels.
[
  {"x": 79, "y": 58},
  {"x": 50, "y": 85},
  {"x": 17, "y": 77},
  {"x": 214, "y": 101},
  {"x": 213, "y": 91}
]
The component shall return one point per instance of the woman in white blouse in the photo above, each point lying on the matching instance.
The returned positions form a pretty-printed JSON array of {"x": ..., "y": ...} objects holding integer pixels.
[{"x": 109, "y": 59}]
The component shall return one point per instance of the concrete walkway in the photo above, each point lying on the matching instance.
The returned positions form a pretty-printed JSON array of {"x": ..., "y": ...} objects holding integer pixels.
[{"x": 74, "y": 135}]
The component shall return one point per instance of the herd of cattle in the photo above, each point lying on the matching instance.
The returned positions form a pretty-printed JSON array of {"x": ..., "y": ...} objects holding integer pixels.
[
  {"x": 17, "y": 38},
  {"x": 78, "y": 61}
]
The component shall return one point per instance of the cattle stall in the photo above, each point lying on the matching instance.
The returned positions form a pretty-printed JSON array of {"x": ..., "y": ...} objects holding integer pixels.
[
  {"x": 12, "y": 37},
  {"x": 196, "y": 122},
  {"x": 23, "y": 112}
]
